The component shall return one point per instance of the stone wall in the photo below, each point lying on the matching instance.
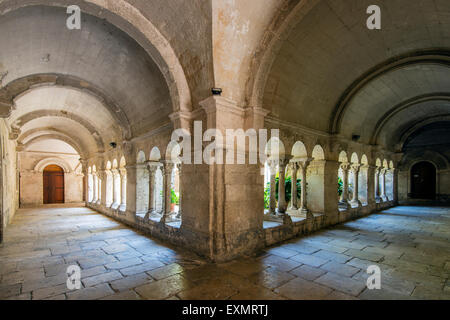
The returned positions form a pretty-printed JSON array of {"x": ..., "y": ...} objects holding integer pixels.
[
  {"x": 31, "y": 166},
  {"x": 8, "y": 186}
]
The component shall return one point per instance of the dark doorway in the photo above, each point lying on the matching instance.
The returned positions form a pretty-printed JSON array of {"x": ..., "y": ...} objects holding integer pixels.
[
  {"x": 53, "y": 184},
  {"x": 423, "y": 181}
]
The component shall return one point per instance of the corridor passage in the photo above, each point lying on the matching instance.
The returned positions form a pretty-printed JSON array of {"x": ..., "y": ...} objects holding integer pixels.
[{"x": 411, "y": 245}]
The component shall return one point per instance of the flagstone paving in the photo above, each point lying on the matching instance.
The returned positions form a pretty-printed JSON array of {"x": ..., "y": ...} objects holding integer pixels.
[{"x": 410, "y": 245}]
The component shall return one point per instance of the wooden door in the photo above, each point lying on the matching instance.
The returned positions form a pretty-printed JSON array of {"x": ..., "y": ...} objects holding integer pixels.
[
  {"x": 53, "y": 184},
  {"x": 423, "y": 179}
]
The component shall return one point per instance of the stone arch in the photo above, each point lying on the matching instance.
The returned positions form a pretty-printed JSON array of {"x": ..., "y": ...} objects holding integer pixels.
[
  {"x": 123, "y": 162},
  {"x": 61, "y": 137},
  {"x": 71, "y": 116},
  {"x": 318, "y": 153},
  {"x": 275, "y": 148},
  {"x": 412, "y": 58},
  {"x": 343, "y": 157},
  {"x": 155, "y": 154},
  {"x": 140, "y": 158},
  {"x": 173, "y": 151},
  {"x": 129, "y": 19},
  {"x": 21, "y": 86},
  {"x": 41, "y": 165},
  {"x": 299, "y": 150},
  {"x": 364, "y": 160},
  {"x": 354, "y": 158},
  {"x": 291, "y": 14}
]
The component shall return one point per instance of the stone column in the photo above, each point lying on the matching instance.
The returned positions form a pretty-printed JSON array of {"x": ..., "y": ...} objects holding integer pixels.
[
  {"x": 123, "y": 189},
  {"x": 294, "y": 168},
  {"x": 344, "y": 196},
  {"x": 102, "y": 188},
  {"x": 131, "y": 189},
  {"x": 383, "y": 185},
  {"x": 95, "y": 186},
  {"x": 370, "y": 187},
  {"x": 167, "y": 172},
  {"x": 115, "y": 188},
  {"x": 304, "y": 207},
  {"x": 355, "y": 197},
  {"x": 152, "y": 167},
  {"x": 273, "y": 173},
  {"x": 377, "y": 185},
  {"x": 180, "y": 191},
  {"x": 281, "y": 187},
  {"x": 395, "y": 185}
]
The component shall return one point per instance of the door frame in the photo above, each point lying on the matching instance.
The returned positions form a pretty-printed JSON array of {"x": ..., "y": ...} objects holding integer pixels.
[
  {"x": 63, "y": 173},
  {"x": 410, "y": 178}
]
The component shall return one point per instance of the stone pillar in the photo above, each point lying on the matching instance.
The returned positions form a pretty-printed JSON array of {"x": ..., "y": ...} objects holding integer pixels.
[
  {"x": 395, "y": 185},
  {"x": 383, "y": 185},
  {"x": 102, "y": 187},
  {"x": 370, "y": 185},
  {"x": 273, "y": 172},
  {"x": 131, "y": 189},
  {"x": 377, "y": 185},
  {"x": 344, "y": 196},
  {"x": 95, "y": 191},
  {"x": 355, "y": 197},
  {"x": 281, "y": 187},
  {"x": 115, "y": 188},
  {"x": 304, "y": 199},
  {"x": 167, "y": 184},
  {"x": 294, "y": 169},
  {"x": 123, "y": 189},
  {"x": 152, "y": 167},
  {"x": 180, "y": 191}
]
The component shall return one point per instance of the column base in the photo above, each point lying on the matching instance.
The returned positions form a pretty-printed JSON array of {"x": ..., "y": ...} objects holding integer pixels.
[
  {"x": 355, "y": 204},
  {"x": 343, "y": 205},
  {"x": 114, "y": 206},
  {"x": 123, "y": 207}
]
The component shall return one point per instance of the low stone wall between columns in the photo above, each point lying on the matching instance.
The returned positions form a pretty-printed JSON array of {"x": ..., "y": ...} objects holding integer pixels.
[
  {"x": 201, "y": 243},
  {"x": 304, "y": 227},
  {"x": 175, "y": 236}
]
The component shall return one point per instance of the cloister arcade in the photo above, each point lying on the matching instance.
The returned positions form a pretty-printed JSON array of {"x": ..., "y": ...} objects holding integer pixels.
[{"x": 355, "y": 110}]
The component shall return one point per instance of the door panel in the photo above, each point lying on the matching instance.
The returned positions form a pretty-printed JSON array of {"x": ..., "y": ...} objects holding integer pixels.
[
  {"x": 53, "y": 185},
  {"x": 423, "y": 179}
]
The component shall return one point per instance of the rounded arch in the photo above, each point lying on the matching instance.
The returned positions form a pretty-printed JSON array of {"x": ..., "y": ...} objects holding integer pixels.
[
  {"x": 343, "y": 156},
  {"x": 423, "y": 178},
  {"x": 299, "y": 150},
  {"x": 141, "y": 157},
  {"x": 440, "y": 57},
  {"x": 63, "y": 138},
  {"x": 41, "y": 165},
  {"x": 155, "y": 154},
  {"x": 275, "y": 148},
  {"x": 318, "y": 153},
  {"x": 378, "y": 162},
  {"x": 173, "y": 151},
  {"x": 354, "y": 158},
  {"x": 123, "y": 162},
  {"x": 130, "y": 20},
  {"x": 261, "y": 65},
  {"x": 364, "y": 160}
]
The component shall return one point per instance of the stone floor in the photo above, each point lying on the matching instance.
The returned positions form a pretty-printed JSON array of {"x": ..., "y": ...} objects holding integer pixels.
[{"x": 410, "y": 244}]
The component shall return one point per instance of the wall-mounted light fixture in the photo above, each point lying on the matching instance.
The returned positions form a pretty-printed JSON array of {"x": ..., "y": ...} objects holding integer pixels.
[{"x": 216, "y": 91}]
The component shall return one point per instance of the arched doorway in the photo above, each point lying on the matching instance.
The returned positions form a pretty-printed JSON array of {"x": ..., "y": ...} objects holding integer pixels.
[
  {"x": 423, "y": 181},
  {"x": 53, "y": 184}
]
